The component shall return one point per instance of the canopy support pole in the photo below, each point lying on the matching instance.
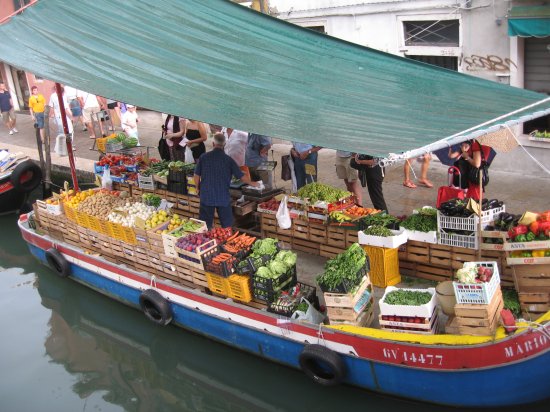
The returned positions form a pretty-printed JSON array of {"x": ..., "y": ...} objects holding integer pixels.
[{"x": 68, "y": 138}]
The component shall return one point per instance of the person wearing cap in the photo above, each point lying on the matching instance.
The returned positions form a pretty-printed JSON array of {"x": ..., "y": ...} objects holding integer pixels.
[
  {"x": 129, "y": 121},
  {"x": 213, "y": 175}
]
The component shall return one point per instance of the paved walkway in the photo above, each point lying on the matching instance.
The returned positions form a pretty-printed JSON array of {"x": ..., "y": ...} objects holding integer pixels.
[{"x": 519, "y": 192}]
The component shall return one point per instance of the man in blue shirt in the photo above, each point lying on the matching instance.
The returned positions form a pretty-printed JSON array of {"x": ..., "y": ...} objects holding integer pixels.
[
  {"x": 6, "y": 107},
  {"x": 212, "y": 178},
  {"x": 256, "y": 153},
  {"x": 302, "y": 154}
]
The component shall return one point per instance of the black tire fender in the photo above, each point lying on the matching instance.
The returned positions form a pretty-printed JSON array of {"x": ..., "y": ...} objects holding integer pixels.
[
  {"x": 58, "y": 262},
  {"x": 323, "y": 365},
  {"x": 26, "y": 176},
  {"x": 156, "y": 308}
]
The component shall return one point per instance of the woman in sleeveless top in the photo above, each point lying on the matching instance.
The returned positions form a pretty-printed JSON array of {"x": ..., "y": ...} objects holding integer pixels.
[
  {"x": 196, "y": 133},
  {"x": 174, "y": 128}
]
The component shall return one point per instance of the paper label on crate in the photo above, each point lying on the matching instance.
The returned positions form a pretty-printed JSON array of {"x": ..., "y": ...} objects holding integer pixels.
[
  {"x": 139, "y": 222},
  {"x": 165, "y": 205},
  {"x": 540, "y": 244},
  {"x": 362, "y": 302}
]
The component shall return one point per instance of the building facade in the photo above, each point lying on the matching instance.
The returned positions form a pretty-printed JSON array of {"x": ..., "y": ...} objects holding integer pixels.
[{"x": 476, "y": 37}]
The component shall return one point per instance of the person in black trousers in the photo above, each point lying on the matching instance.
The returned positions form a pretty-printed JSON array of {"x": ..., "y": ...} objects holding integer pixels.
[{"x": 375, "y": 177}]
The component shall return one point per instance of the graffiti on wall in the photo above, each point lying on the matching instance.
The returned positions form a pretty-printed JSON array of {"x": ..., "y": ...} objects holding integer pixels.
[{"x": 490, "y": 63}]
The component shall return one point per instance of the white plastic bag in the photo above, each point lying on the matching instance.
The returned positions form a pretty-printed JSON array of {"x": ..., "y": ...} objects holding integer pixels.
[
  {"x": 60, "y": 145},
  {"x": 312, "y": 315},
  {"x": 106, "y": 181},
  {"x": 283, "y": 215},
  {"x": 189, "y": 155}
]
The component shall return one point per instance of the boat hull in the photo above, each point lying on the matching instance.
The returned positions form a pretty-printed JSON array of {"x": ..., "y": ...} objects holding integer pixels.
[
  {"x": 525, "y": 380},
  {"x": 11, "y": 200}
]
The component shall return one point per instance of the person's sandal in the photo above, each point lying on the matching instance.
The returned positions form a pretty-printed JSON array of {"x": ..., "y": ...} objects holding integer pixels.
[{"x": 409, "y": 184}]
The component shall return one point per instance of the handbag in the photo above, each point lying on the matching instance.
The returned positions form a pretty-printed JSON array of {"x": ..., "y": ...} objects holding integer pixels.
[
  {"x": 462, "y": 169},
  {"x": 473, "y": 172},
  {"x": 453, "y": 191},
  {"x": 286, "y": 173},
  {"x": 163, "y": 148}
]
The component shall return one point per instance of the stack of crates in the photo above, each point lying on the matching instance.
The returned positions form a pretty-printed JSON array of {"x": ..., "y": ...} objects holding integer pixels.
[
  {"x": 355, "y": 308},
  {"x": 421, "y": 319},
  {"x": 467, "y": 228},
  {"x": 478, "y": 305}
]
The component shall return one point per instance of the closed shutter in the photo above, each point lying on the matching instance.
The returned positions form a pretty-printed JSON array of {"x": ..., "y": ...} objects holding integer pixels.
[{"x": 537, "y": 64}]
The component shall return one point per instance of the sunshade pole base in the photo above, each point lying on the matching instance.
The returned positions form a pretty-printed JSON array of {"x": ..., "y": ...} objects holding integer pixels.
[{"x": 68, "y": 138}]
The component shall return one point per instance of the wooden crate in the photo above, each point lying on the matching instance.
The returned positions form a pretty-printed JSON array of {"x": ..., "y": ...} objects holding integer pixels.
[
  {"x": 346, "y": 300},
  {"x": 268, "y": 223},
  {"x": 306, "y": 246},
  {"x": 364, "y": 320},
  {"x": 329, "y": 251},
  {"x": 336, "y": 313},
  {"x": 532, "y": 278},
  {"x": 415, "y": 252},
  {"x": 199, "y": 277},
  {"x": 479, "y": 320},
  {"x": 351, "y": 237},
  {"x": 534, "y": 304},
  {"x": 440, "y": 255},
  {"x": 451, "y": 326},
  {"x": 317, "y": 233},
  {"x": 300, "y": 229},
  {"x": 336, "y": 237}
]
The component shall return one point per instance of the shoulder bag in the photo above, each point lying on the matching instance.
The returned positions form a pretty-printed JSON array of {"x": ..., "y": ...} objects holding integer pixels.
[{"x": 473, "y": 172}]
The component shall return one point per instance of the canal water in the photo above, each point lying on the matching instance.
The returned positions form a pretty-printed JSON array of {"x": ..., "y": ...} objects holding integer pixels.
[{"x": 65, "y": 347}]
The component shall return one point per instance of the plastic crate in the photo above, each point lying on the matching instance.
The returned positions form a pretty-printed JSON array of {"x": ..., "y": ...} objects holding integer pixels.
[
  {"x": 224, "y": 269},
  {"x": 288, "y": 307},
  {"x": 346, "y": 287},
  {"x": 101, "y": 144},
  {"x": 478, "y": 293},
  {"x": 269, "y": 296},
  {"x": 276, "y": 284},
  {"x": 453, "y": 239},
  {"x": 217, "y": 284},
  {"x": 470, "y": 223},
  {"x": 239, "y": 288},
  {"x": 114, "y": 146},
  {"x": 384, "y": 266},
  {"x": 70, "y": 212},
  {"x": 178, "y": 187}
]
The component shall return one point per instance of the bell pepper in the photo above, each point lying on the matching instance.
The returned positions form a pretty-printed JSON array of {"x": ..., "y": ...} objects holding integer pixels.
[
  {"x": 534, "y": 227},
  {"x": 544, "y": 216},
  {"x": 544, "y": 227},
  {"x": 547, "y": 253},
  {"x": 517, "y": 231},
  {"x": 520, "y": 238},
  {"x": 516, "y": 254},
  {"x": 526, "y": 253},
  {"x": 538, "y": 253},
  {"x": 529, "y": 237}
]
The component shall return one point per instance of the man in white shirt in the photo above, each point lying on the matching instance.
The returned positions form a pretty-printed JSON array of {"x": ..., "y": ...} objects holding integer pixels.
[
  {"x": 74, "y": 105},
  {"x": 130, "y": 121},
  {"x": 56, "y": 113},
  {"x": 236, "y": 142},
  {"x": 90, "y": 104}
]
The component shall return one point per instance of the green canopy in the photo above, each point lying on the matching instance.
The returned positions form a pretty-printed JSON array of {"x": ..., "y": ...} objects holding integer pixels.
[
  {"x": 529, "y": 21},
  {"x": 221, "y": 63}
]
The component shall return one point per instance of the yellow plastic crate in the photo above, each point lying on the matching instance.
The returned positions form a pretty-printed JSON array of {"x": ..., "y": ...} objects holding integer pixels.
[
  {"x": 129, "y": 236},
  {"x": 105, "y": 228},
  {"x": 94, "y": 224},
  {"x": 384, "y": 266},
  {"x": 101, "y": 144},
  {"x": 82, "y": 219},
  {"x": 70, "y": 213},
  {"x": 217, "y": 284},
  {"x": 239, "y": 288}
]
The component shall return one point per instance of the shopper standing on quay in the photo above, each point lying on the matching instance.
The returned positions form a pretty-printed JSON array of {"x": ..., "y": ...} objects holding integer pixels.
[
  {"x": 6, "y": 107},
  {"x": 349, "y": 175},
  {"x": 375, "y": 177},
  {"x": 213, "y": 175},
  {"x": 37, "y": 103},
  {"x": 256, "y": 153},
  {"x": 236, "y": 144},
  {"x": 90, "y": 104},
  {"x": 304, "y": 154}
]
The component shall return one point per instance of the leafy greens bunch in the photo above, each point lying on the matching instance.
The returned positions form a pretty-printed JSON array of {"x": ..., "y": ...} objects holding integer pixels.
[{"x": 345, "y": 269}]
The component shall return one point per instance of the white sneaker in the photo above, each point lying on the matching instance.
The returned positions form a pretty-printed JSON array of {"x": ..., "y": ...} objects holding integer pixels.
[
  {"x": 11, "y": 131},
  {"x": 15, "y": 130}
]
